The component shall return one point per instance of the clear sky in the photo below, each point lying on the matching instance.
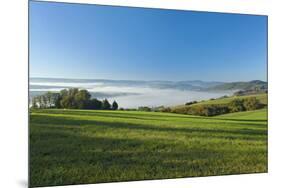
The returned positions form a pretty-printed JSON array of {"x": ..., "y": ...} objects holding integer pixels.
[{"x": 104, "y": 42}]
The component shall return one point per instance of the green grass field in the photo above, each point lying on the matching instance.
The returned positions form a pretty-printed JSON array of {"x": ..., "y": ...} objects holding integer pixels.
[
  {"x": 87, "y": 146},
  {"x": 256, "y": 115}
]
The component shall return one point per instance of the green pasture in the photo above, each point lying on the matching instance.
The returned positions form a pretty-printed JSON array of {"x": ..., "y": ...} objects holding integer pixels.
[
  {"x": 90, "y": 146},
  {"x": 260, "y": 97}
]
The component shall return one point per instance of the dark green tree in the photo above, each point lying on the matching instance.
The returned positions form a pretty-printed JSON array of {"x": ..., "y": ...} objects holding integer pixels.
[
  {"x": 95, "y": 104},
  {"x": 106, "y": 105},
  {"x": 114, "y": 105},
  {"x": 82, "y": 99},
  {"x": 68, "y": 98},
  {"x": 67, "y": 102}
]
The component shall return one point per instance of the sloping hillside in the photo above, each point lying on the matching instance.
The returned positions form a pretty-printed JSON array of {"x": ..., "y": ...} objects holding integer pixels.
[
  {"x": 223, "y": 105},
  {"x": 261, "y": 97},
  {"x": 260, "y": 115},
  {"x": 252, "y": 85}
]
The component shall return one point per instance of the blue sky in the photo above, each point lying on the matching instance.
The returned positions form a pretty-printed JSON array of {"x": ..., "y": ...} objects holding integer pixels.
[{"x": 104, "y": 42}]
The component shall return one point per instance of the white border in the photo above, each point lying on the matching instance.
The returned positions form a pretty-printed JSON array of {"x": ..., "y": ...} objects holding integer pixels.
[{"x": 14, "y": 80}]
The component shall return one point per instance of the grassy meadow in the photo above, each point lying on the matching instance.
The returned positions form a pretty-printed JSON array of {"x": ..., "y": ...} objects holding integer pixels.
[
  {"x": 261, "y": 97},
  {"x": 92, "y": 146}
]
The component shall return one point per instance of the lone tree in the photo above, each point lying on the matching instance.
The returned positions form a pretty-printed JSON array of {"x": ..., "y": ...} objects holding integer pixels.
[{"x": 114, "y": 105}]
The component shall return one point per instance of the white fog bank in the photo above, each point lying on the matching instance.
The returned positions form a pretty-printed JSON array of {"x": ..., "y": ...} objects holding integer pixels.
[{"x": 131, "y": 96}]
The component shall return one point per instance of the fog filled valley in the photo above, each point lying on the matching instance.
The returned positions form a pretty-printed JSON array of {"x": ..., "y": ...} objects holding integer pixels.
[{"x": 132, "y": 94}]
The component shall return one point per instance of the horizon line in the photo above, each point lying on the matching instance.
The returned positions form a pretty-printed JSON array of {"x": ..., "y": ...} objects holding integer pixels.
[{"x": 30, "y": 77}]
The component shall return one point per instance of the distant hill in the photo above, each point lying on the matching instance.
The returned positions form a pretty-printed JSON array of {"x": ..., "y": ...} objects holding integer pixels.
[
  {"x": 195, "y": 85},
  {"x": 251, "y": 85},
  {"x": 160, "y": 84},
  {"x": 202, "y": 84}
]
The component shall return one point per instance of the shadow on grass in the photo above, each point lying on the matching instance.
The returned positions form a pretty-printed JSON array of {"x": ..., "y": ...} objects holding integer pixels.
[
  {"x": 115, "y": 114},
  {"x": 81, "y": 159},
  {"x": 55, "y": 120},
  {"x": 147, "y": 116}
]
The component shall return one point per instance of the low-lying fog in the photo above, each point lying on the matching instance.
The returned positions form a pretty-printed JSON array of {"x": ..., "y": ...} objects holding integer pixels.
[{"x": 130, "y": 95}]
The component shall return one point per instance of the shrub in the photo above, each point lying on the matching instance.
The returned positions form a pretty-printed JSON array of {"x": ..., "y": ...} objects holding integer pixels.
[
  {"x": 166, "y": 109},
  {"x": 203, "y": 110},
  {"x": 252, "y": 103},
  {"x": 144, "y": 108},
  {"x": 190, "y": 103},
  {"x": 236, "y": 105}
]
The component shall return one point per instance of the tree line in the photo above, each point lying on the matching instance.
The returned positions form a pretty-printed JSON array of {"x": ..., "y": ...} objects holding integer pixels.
[
  {"x": 192, "y": 108},
  {"x": 72, "y": 98},
  {"x": 75, "y": 98}
]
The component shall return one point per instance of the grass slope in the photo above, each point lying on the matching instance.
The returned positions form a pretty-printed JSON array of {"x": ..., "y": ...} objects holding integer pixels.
[
  {"x": 261, "y": 97},
  {"x": 256, "y": 115},
  {"x": 84, "y": 146}
]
